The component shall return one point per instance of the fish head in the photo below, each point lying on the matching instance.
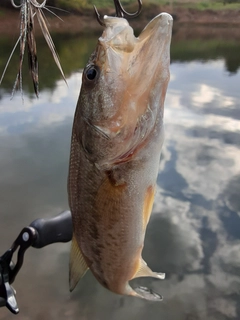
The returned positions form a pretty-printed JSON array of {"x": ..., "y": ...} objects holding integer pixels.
[{"x": 123, "y": 89}]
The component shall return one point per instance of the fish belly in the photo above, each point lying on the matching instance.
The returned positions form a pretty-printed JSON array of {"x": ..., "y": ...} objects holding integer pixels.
[{"x": 110, "y": 211}]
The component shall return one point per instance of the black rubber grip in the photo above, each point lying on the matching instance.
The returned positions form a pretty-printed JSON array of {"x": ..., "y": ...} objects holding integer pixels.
[{"x": 57, "y": 229}]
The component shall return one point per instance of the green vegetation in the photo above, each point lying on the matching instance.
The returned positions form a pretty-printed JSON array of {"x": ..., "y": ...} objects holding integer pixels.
[
  {"x": 211, "y": 4},
  {"x": 199, "y": 4},
  {"x": 85, "y": 5},
  {"x": 189, "y": 50},
  {"x": 196, "y": 4},
  {"x": 68, "y": 46},
  {"x": 81, "y": 46}
]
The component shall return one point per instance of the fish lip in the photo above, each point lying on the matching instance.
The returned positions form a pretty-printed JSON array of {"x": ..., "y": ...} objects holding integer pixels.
[
  {"x": 113, "y": 27},
  {"x": 116, "y": 24},
  {"x": 162, "y": 21},
  {"x": 118, "y": 35}
]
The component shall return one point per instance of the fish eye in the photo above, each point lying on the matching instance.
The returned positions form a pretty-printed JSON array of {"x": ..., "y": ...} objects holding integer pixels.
[{"x": 91, "y": 73}]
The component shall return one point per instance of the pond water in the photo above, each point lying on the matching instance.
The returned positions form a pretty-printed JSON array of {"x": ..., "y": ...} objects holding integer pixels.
[{"x": 194, "y": 231}]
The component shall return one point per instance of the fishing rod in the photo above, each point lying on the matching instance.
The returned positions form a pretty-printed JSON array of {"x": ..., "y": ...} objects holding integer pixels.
[{"x": 38, "y": 234}]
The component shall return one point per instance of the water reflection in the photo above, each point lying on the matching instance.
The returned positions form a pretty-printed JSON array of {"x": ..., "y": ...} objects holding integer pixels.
[
  {"x": 194, "y": 232},
  {"x": 74, "y": 50}
]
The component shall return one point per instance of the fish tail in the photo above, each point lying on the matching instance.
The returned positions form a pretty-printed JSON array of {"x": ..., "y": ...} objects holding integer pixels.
[
  {"x": 146, "y": 293},
  {"x": 145, "y": 271},
  {"x": 143, "y": 292}
]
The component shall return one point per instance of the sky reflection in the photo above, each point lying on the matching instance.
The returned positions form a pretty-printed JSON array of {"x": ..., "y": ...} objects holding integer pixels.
[
  {"x": 51, "y": 107},
  {"x": 198, "y": 118},
  {"x": 193, "y": 235}
]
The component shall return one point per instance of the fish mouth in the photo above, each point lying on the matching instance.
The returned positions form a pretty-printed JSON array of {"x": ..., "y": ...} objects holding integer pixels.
[
  {"x": 119, "y": 35},
  {"x": 133, "y": 66}
]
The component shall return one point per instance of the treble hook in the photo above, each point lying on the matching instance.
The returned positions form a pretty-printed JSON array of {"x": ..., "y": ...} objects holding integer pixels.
[
  {"x": 33, "y": 2},
  {"x": 120, "y": 12},
  {"x": 15, "y": 5}
]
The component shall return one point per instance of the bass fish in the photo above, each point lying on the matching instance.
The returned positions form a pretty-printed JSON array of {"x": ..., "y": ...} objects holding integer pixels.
[{"x": 116, "y": 142}]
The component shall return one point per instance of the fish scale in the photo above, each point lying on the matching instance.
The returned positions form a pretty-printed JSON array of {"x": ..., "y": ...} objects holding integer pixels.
[{"x": 116, "y": 143}]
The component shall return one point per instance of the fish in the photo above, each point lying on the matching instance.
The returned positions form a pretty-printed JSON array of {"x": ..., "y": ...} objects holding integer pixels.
[{"x": 117, "y": 137}]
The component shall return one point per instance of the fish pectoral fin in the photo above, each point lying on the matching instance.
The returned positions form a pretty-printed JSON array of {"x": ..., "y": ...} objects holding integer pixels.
[
  {"x": 145, "y": 271},
  {"x": 77, "y": 266}
]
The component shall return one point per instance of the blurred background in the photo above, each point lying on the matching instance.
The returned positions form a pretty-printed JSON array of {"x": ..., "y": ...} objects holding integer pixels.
[{"x": 194, "y": 231}]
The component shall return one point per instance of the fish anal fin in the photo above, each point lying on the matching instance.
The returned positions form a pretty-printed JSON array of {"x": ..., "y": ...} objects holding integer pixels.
[
  {"x": 145, "y": 271},
  {"x": 77, "y": 266}
]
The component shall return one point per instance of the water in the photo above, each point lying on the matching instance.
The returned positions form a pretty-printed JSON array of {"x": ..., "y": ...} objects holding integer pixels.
[{"x": 194, "y": 232}]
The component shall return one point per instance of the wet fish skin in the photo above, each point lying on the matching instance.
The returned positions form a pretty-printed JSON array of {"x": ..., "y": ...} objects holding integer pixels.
[{"x": 115, "y": 151}]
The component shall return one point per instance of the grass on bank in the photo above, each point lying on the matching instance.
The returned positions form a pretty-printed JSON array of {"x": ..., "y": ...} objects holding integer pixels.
[
  {"x": 81, "y": 5},
  {"x": 210, "y": 4},
  {"x": 195, "y": 4}
]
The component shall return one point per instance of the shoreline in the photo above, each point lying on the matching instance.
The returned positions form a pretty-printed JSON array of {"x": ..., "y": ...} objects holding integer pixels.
[{"x": 77, "y": 23}]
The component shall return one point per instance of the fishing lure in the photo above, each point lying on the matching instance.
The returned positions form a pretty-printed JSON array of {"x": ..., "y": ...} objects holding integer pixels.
[{"x": 29, "y": 9}]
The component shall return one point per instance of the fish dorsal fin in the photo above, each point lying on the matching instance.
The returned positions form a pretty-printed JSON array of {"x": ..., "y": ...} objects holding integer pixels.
[
  {"x": 145, "y": 271},
  {"x": 77, "y": 266}
]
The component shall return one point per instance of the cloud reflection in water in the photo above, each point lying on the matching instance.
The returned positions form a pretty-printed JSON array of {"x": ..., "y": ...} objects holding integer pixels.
[
  {"x": 192, "y": 235},
  {"x": 202, "y": 148}
]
